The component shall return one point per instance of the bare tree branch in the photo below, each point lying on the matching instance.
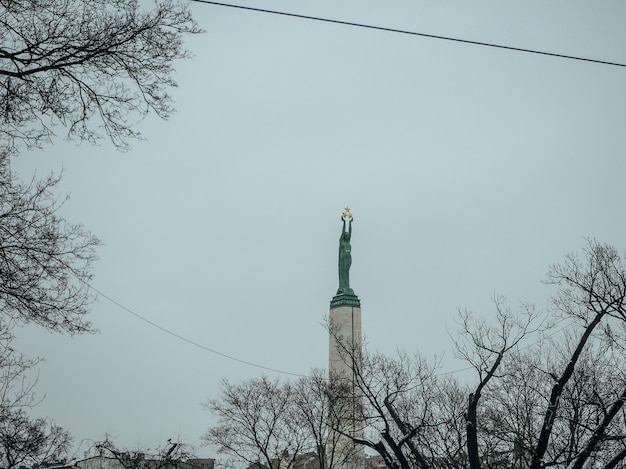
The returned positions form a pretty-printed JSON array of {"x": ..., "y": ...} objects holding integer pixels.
[{"x": 86, "y": 65}]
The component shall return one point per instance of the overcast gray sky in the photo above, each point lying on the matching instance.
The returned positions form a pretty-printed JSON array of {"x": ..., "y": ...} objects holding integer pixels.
[{"x": 469, "y": 170}]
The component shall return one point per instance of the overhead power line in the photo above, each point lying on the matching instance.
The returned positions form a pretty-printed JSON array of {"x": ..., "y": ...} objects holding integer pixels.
[
  {"x": 174, "y": 334},
  {"x": 256, "y": 365},
  {"x": 413, "y": 33},
  {"x": 184, "y": 339}
]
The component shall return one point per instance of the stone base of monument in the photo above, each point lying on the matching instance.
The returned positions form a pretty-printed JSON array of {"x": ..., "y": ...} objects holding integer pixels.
[
  {"x": 344, "y": 355},
  {"x": 345, "y": 297}
]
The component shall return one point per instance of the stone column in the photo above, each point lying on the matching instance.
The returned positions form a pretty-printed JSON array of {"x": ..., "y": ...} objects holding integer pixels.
[{"x": 343, "y": 358}]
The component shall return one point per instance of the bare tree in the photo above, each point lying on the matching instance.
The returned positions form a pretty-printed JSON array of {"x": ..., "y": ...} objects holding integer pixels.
[
  {"x": 45, "y": 264},
  {"x": 45, "y": 261},
  {"x": 485, "y": 346},
  {"x": 90, "y": 66},
  {"x": 16, "y": 388},
  {"x": 558, "y": 401},
  {"x": 591, "y": 290},
  {"x": 400, "y": 401},
  {"x": 257, "y": 424},
  {"x": 30, "y": 442},
  {"x": 172, "y": 455},
  {"x": 320, "y": 408}
]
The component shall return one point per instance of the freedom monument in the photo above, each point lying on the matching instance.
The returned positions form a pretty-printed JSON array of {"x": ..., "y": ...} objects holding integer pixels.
[{"x": 344, "y": 354}]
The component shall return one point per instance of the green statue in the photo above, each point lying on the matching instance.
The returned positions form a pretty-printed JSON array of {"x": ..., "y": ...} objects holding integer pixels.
[{"x": 345, "y": 255}]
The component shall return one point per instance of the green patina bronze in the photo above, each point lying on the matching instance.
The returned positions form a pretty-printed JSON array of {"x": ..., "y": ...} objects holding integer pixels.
[
  {"x": 345, "y": 258},
  {"x": 345, "y": 295}
]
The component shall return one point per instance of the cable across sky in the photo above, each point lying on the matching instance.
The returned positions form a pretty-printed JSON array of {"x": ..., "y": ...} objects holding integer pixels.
[
  {"x": 414, "y": 33},
  {"x": 245, "y": 362},
  {"x": 185, "y": 339}
]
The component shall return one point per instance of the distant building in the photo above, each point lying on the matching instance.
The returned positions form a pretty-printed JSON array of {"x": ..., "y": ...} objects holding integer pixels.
[
  {"x": 199, "y": 463},
  {"x": 374, "y": 461},
  {"x": 300, "y": 461},
  {"x": 125, "y": 461},
  {"x": 306, "y": 461},
  {"x": 98, "y": 462}
]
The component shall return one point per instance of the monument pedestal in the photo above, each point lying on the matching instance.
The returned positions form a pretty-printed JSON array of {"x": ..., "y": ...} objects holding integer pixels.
[
  {"x": 344, "y": 355},
  {"x": 345, "y": 298}
]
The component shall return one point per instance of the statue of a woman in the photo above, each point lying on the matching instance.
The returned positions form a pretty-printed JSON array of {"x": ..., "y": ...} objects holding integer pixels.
[{"x": 345, "y": 258}]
